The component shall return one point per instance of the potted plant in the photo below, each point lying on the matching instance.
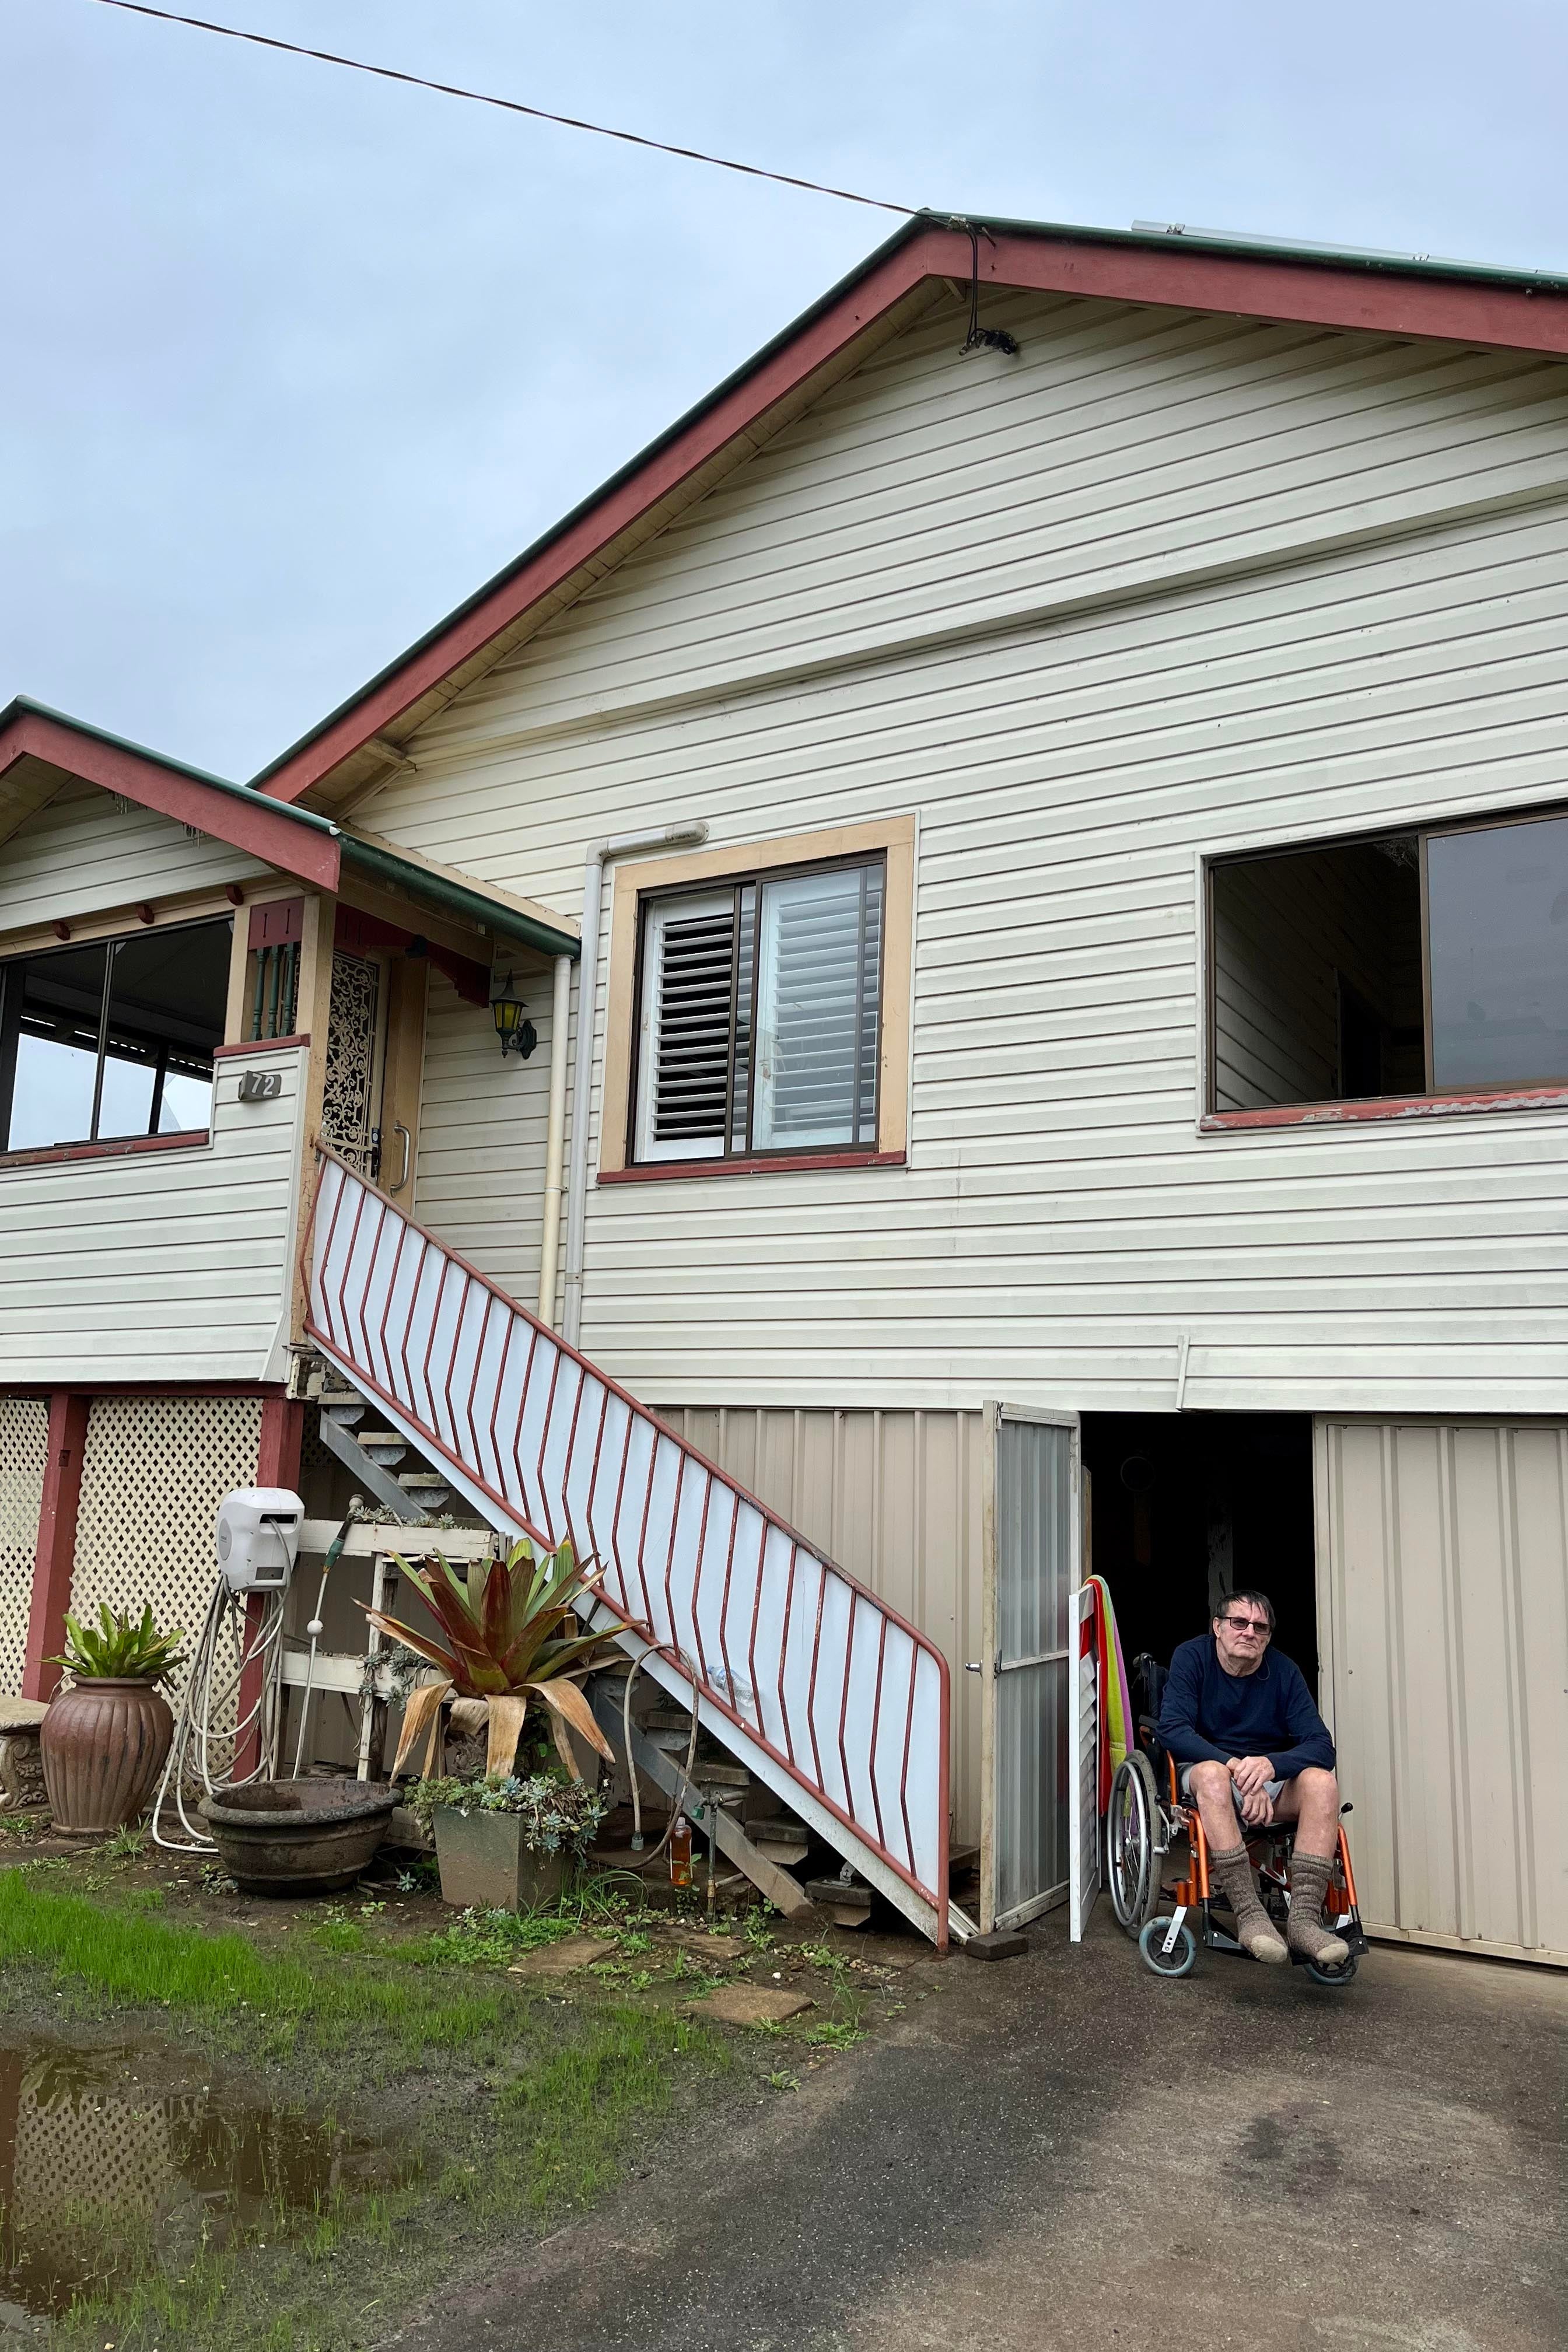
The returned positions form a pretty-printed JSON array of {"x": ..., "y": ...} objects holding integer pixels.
[
  {"x": 505, "y": 1843},
  {"x": 105, "y": 1739},
  {"x": 506, "y": 1650}
]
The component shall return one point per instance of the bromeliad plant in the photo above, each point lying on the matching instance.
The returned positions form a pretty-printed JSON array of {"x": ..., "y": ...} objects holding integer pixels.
[
  {"x": 505, "y": 1648},
  {"x": 119, "y": 1648}
]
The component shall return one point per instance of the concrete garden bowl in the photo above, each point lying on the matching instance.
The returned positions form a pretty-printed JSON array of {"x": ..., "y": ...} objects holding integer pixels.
[{"x": 298, "y": 1837}]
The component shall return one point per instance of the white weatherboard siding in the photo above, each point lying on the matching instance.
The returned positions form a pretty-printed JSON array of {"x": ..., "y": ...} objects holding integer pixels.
[
  {"x": 82, "y": 852},
  {"x": 157, "y": 1265},
  {"x": 481, "y": 1172},
  {"x": 1206, "y": 586}
]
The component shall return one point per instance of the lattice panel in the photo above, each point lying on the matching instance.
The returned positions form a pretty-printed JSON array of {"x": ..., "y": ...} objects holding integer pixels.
[
  {"x": 89, "y": 2149},
  {"x": 24, "y": 1450},
  {"x": 155, "y": 1472}
]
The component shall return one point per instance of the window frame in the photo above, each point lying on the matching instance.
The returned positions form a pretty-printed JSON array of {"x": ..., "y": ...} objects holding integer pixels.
[
  {"x": 1433, "y": 1101},
  {"x": 890, "y": 842},
  {"x": 99, "y": 1146}
]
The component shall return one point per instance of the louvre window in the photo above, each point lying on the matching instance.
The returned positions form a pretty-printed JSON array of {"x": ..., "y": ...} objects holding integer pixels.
[
  {"x": 759, "y": 1016},
  {"x": 112, "y": 1039}
]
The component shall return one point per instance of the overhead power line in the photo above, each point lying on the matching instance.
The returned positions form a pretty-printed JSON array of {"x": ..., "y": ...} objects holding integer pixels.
[{"x": 506, "y": 105}]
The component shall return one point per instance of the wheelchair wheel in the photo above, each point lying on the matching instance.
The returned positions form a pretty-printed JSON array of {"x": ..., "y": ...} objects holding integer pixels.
[
  {"x": 1132, "y": 1824},
  {"x": 1180, "y": 1960},
  {"x": 1333, "y": 1976}
]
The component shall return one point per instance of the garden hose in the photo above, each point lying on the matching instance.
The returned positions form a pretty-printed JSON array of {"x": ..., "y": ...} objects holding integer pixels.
[{"x": 212, "y": 1688}]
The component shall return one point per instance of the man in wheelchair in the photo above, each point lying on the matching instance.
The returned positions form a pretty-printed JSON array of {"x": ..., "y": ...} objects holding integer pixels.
[{"x": 1251, "y": 1749}]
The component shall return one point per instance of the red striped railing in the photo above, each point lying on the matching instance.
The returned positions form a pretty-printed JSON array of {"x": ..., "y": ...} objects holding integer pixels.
[{"x": 847, "y": 1701}]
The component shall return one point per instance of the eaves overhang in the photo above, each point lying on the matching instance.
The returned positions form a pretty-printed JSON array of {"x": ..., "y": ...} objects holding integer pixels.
[
  {"x": 294, "y": 841},
  {"x": 1387, "y": 294}
]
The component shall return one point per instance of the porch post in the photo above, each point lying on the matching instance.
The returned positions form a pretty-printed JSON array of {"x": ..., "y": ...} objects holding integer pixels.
[{"x": 56, "y": 1555}]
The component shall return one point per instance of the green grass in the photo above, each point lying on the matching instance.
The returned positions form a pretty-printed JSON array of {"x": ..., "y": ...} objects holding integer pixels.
[
  {"x": 129, "y": 1958},
  {"x": 521, "y": 2108}
]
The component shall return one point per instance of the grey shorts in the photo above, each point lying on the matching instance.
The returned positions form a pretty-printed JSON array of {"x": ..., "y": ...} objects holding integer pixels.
[{"x": 1273, "y": 1788}]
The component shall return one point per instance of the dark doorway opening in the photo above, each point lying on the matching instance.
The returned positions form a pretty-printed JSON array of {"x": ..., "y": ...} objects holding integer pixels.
[{"x": 1186, "y": 1507}]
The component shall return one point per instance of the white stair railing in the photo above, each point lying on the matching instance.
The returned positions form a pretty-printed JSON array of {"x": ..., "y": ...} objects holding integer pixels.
[{"x": 832, "y": 1699}]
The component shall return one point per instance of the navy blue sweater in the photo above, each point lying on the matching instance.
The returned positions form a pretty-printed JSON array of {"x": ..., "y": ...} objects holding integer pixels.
[{"x": 1207, "y": 1714}]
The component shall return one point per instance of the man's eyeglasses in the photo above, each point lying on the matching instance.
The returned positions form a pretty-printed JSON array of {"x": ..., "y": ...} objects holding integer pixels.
[{"x": 1258, "y": 1625}]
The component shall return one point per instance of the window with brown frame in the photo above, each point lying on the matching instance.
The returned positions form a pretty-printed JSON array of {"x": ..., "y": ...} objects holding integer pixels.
[
  {"x": 758, "y": 1026},
  {"x": 1428, "y": 962}
]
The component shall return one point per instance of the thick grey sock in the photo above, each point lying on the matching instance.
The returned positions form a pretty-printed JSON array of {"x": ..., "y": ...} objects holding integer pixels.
[
  {"x": 1309, "y": 1875},
  {"x": 1231, "y": 1873}
]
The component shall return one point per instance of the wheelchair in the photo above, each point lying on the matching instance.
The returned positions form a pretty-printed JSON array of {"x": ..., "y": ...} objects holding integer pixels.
[{"x": 1158, "y": 1902}]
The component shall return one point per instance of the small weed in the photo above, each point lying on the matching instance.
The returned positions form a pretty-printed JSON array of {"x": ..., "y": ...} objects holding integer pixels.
[
  {"x": 125, "y": 1843},
  {"x": 215, "y": 1879},
  {"x": 834, "y": 2033},
  {"x": 369, "y": 1910},
  {"x": 144, "y": 1898},
  {"x": 635, "y": 1942},
  {"x": 337, "y": 1936},
  {"x": 758, "y": 1935},
  {"x": 780, "y": 2080}
]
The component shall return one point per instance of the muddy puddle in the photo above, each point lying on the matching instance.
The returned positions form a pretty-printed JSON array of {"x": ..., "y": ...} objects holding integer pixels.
[{"x": 112, "y": 2160}]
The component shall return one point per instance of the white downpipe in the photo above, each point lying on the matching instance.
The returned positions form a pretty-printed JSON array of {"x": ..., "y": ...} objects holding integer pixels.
[
  {"x": 554, "y": 1138},
  {"x": 669, "y": 836}
]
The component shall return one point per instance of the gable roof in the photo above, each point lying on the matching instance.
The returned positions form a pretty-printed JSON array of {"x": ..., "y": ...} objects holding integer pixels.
[
  {"x": 39, "y": 747},
  {"x": 1387, "y": 294}
]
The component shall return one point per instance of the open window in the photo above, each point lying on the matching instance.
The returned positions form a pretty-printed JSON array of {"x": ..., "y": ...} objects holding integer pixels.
[
  {"x": 112, "y": 1038},
  {"x": 1431, "y": 962}
]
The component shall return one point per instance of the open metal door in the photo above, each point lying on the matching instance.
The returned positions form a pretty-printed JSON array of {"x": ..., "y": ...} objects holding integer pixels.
[{"x": 1033, "y": 1568}]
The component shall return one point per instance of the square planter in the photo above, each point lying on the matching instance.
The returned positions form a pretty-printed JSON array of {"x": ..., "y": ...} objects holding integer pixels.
[{"x": 486, "y": 1866}]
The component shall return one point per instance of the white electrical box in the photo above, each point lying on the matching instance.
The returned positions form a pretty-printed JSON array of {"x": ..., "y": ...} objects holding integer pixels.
[{"x": 258, "y": 1538}]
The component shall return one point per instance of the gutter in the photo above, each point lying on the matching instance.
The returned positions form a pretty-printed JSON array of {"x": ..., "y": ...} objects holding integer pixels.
[{"x": 384, "y": 866}]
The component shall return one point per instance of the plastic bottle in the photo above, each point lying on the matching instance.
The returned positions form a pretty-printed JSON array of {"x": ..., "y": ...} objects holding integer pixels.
[{"x": 681, "y": 1851}]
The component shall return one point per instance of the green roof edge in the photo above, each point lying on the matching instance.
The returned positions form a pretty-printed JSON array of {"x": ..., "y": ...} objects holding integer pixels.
[{"x": 492, "y": 913}]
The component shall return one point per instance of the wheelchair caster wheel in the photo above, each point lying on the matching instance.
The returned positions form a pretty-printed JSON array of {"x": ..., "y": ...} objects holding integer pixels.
[
  {"x": 1336, "y": 1975},
  {"x": 1180, "y": 1959}
]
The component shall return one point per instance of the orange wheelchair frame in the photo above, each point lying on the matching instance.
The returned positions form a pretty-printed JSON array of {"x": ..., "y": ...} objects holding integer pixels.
[{"x": 1141, "y": 1831}]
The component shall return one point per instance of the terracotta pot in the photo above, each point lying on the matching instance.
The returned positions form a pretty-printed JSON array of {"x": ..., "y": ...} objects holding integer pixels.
[
  {"x": 486, "y": 1866},
  {"x": 104, "y": 1743}
]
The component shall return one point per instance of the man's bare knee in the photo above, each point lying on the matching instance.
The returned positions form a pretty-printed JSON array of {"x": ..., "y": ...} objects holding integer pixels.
[
  {"x": 1319, "y": 1786},
  {"x": 1210, "y": 1779}
]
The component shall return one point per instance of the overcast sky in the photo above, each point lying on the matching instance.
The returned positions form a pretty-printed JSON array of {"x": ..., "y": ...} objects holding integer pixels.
[{"x": 294, "y": 359}]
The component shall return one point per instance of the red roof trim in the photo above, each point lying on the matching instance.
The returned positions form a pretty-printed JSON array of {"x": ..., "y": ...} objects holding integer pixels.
[
  {"x": 1307, "y": 292},
  {"x": 263, "y": 831}
]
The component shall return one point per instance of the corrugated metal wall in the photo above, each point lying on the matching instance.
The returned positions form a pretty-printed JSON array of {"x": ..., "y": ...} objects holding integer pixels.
[
  {"x": 1443, "y": 1620},
  {"x": 894, "y": 1498}
]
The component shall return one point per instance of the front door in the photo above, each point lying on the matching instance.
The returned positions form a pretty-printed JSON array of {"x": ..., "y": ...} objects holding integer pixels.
[{"x": 1033, "y": 1570}]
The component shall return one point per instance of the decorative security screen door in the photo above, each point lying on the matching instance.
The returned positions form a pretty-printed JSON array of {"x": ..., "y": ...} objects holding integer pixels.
[
  {"x": 1033, "y": 1570},
  {"x": 356, "y": 1055}
]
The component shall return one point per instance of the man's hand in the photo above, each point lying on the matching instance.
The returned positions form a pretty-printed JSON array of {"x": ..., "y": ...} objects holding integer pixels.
[{"x": 1250, "y": 1776}]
